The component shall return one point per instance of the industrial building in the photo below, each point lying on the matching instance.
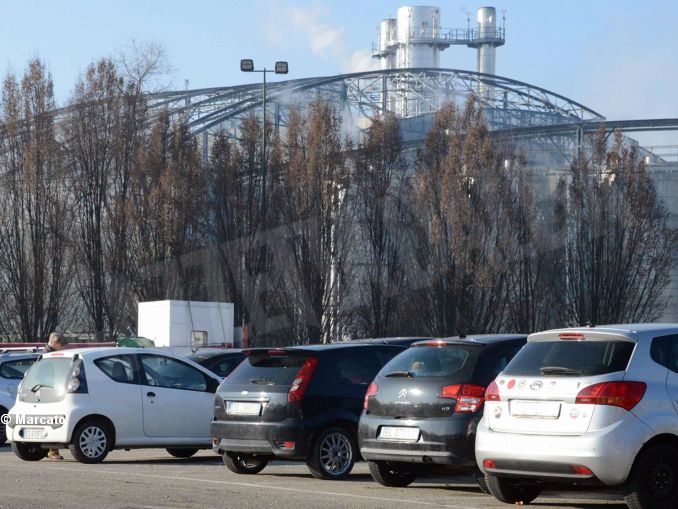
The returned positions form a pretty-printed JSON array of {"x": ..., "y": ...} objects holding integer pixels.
[{"x": 411, "y": 84}]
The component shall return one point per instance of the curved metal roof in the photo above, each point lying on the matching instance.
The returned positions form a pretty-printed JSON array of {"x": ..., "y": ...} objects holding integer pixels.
[{"x": 410, "y": 93}]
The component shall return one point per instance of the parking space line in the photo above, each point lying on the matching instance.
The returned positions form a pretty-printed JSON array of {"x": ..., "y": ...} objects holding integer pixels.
[{"x": 265, "y": 486}]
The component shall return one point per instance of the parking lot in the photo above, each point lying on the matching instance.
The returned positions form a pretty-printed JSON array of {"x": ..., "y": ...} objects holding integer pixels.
[{"x": 153, "y": 479}]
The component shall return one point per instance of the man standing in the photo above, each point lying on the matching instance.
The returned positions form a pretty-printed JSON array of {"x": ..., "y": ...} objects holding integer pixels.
[{"x": 55, "y": 343}]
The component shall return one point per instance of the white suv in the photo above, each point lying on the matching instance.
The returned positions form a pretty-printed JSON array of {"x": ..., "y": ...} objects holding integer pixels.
[
  {"x": 96, "y": 399},
  {"x": 590, "y": 405}
]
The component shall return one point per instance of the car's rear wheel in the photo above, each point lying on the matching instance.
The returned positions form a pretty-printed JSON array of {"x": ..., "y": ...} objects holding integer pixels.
[
  {"x": 91, "y": 442},
  {"x": 333, "y": 454},
  {"x": 512, "y": 491},
  {"x": 181, "y": 453},
  {"x": 241, "y": 463},
  {"x": 654, "y": 480},
  {"x": 28, "y": 451},
  {"x": 482, "y": 483},
  {"x": 392, "y": 474}
]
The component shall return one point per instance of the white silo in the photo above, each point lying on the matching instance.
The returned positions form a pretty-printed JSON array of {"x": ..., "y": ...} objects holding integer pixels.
[
  {"x": 388, "y": 31},
  {"x": 418, "y": 29},
  {"x": 486, "y": 38}
]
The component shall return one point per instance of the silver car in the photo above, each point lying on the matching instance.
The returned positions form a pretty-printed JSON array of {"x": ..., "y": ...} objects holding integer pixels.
[
  {"x": 13, "y": 365},
  {"x": 591, "y": 405}
]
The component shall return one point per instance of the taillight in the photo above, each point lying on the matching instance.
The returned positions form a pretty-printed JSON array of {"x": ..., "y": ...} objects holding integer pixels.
[
  {"x": 469, "y": 397},
  {"x": 575, "y": 336},
  {"x": 492, "y": 392},
  {"x": 622, "y": 394},
  {"x": 371, "y": 392},
  {"x": 302, "y": 379},
  {"x": 77, "y": 382}
]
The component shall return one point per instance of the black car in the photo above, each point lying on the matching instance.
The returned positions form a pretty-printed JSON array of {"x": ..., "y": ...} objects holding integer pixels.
[
  {"x": 298, "y": 403},
  {"x": 423, "y": 407},
  {"x": 398, "y": 341},
  {"x": 219, "y": 362}
]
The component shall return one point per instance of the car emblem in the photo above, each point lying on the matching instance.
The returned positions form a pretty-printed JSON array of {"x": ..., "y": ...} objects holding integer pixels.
[
  {"x": 245, "y": 393},
  {"x": 535, "y": 386},
  {"x": 402, "y": 394},
  {"x": 511, "y": 384}
]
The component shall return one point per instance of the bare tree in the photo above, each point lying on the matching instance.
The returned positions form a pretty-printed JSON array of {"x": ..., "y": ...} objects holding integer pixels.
[
  {"x": 462, "y": 204},
  {"x": 317, "y": 216},
  {"x": 165, "y": 212},
  {"x": 35, "y": 221},
  {"x": 383, "y": 218},
  {"x": 618, "y": 245}
]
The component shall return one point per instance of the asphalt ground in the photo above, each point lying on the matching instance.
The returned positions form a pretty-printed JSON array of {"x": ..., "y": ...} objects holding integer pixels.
[{"x": 151, "y": 478}]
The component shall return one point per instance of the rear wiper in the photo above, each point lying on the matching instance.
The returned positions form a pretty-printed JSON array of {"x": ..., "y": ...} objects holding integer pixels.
[
  {"x": 37, "y": 387},
  {"x": 400, "y": 374},
  {"x": 261, "y": 381},
  {"x": 558, "y": 370}
]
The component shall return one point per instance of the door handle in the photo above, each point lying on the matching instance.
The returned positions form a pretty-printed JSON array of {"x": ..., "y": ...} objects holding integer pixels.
[{"x": 150, "y": 394}]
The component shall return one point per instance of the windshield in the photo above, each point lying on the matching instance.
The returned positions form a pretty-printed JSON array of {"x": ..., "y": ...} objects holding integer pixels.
[
  {"x": 432, "y": 362},
  {"x": 264, "y": 369},
  {"x": 571, "y": 358},
  {"x": 46, "y": 380}
]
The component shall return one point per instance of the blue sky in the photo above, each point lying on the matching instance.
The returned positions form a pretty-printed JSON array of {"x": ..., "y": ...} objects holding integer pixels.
[{"x": 616, "y": 56}]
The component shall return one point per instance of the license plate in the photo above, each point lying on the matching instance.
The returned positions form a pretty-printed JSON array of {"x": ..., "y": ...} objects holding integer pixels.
[
  {"x": 33, "y": 433},
  {"x": 243, "y": 408},
  {"x": 541, "y": 409},
  {"x": 399, "y": 433}
]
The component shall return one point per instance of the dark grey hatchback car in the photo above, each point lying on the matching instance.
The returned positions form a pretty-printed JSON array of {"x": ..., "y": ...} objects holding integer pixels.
[
  {"x": 299, "y": 404},
  {"x": 423, "y": 407}
]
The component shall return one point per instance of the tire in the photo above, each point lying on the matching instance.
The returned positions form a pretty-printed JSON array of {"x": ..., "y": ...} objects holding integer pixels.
[
  {"x": 240, "y": 463},
  {"x": 181, "y": 453},
  {"x": 3, "y": 430},
  {"x": 391, "y": 474},
  {"x": 333, "y": 454},
  {"x": 482, "y": 484},
  {"x": 512, "y": 491},
  {"x": 29, "y": 451},
  {"x": 653, "y": 483},
  {"x": 91, "y": 442}
]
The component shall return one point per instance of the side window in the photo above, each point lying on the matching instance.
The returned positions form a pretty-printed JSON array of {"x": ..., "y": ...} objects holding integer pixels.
[
  {"x": 225, "y": 366},
  {"x": 356, "y": 366},
  {"x": 15, "y": 369},
  {"x": 493, "y": 361},
  {"x": 119, "y": 368},
  {"x": 167, "y": 372},
  {"x": 663, "y": 351}
]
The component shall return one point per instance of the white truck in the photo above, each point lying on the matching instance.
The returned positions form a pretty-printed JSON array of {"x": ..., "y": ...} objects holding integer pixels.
[{"x": 181, "y": 324}]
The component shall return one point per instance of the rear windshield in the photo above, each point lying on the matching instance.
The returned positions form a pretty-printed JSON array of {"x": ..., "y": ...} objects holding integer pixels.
[
  {"x": 264, "y": 369},
  {"x": 47, "y": 376},
  {"x": 571, "y": 358},
  {"x": 433, "y": 362}
]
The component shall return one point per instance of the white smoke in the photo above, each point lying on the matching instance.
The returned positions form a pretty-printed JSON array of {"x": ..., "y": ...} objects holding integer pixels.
[{"x": 326, "y": 40}]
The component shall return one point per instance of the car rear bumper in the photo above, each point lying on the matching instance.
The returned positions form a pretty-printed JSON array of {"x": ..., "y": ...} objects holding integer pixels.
[
  {"x": 443, "y": 440},
  {"x": 262, "y": 438},
  {"x": 24, "y": 417},
  {"x": 608, "y": 453}
]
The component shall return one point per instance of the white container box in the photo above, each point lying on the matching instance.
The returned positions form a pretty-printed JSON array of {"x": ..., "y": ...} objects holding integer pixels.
[{"x": 170, "y": 323}]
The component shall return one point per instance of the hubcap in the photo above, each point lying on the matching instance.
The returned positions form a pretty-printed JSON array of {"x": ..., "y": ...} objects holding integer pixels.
[
  {"x": 336, "y": 453},
  {"x": 92, "y": 442}
]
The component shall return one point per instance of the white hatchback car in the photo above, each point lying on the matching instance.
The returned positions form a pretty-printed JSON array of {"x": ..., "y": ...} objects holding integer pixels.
[
  {"x": 94, "y": 400},
  {"x": 591, "y": 405}
]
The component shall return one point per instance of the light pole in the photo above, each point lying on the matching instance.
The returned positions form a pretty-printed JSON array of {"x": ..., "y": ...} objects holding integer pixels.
[{"x": 247, "y": 65}]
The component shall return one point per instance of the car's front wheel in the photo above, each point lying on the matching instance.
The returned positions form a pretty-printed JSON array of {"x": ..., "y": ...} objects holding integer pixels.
[
  {"x": 181, "y": 453},
  {"x": 91, "y": 442},
  {"x": 654, "y": 480},
  {"x": 28, "y": 451},
  {"x": 333, "y": 454},
  {"x": 512, "y": 491},
  {"x": 240, "y": 463},
  {"x": 391, "y": 474}
]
